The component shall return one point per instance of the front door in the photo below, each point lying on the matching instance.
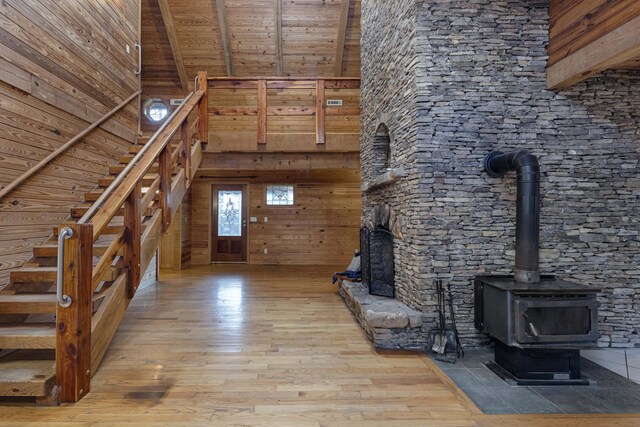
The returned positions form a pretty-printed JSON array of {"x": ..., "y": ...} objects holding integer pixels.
[{"x": 229, "y": 223}]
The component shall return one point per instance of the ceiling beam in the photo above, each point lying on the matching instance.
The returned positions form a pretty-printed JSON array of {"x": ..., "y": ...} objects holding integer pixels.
[
  {"x": 173, "y": 42},
  {"x": 342, "y": 34},
  {"x": 609, "y": 51},
  {"x": 224, "y": 35},
  {"x": 277, "y": 6},
  {"x": 277, "y": 161}
]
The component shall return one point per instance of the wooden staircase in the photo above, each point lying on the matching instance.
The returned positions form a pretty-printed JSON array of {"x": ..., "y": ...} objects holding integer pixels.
[{"x": 48, "y": 350}]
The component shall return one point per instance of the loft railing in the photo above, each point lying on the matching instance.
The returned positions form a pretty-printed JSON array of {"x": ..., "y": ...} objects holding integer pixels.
[
  {"x": 263, "y": 111},
  {"x": 42, "y": 163},
  {"x": 83, "y": 335}
]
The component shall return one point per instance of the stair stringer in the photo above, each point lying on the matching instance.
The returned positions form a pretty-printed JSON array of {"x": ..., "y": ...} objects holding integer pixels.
[{"x": 107, "y": 319}]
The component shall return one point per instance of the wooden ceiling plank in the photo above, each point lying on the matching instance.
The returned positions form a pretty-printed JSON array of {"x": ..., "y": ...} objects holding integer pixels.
[
  {"x": 615, "y": 48},
  {"x": 342, "y": 34},
  {"x": 224, "y": 35},
  {"x": 278, "y": 21},
  {"x": 173, "y": 42}
]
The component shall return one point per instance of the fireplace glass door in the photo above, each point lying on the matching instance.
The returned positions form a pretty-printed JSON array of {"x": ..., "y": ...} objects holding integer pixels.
[{"x": 540, "y": 320}]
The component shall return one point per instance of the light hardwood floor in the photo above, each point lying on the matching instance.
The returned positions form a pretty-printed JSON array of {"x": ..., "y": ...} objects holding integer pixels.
[{"x": 273, "y": 346}]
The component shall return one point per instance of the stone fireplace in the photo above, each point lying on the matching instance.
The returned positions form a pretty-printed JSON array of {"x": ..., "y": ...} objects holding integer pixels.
[{"x": 438, "y": 95}]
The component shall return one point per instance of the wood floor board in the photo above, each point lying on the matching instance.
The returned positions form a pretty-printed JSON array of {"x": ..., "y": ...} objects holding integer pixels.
[{"x": 264, "y": 346}]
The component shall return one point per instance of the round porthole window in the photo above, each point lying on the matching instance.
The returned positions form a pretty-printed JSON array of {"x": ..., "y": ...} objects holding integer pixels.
[{"x": 155, "y": 109}]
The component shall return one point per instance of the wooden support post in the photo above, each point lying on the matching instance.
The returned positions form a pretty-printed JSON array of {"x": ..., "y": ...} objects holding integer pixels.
[
  {"x": 262, "y": 111},
  {"x": 132, "y": 237},
  {"x": 203, "y": 113},
  {"x": 73, "y": 323},
  {"x": 165, "y": 187},
  {"x": 320, "y": 112},
  {"x": 186, "y": 152}
]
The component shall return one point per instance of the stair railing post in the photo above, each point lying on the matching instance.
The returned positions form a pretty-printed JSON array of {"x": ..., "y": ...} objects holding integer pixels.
[
  {"x": 186, "y": 152},
  {"x": 73, "y": 321},
  {"x": 132, "y": 239},
  {"x": 203, "y": 114},
  {"x": 165, "y": 166}
]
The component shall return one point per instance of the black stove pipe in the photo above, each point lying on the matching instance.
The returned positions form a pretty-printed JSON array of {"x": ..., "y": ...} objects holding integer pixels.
[{"x": 497, "y": 164}]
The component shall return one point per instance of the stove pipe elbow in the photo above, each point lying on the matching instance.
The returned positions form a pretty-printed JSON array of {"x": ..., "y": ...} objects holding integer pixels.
[{"x": 497, "y": 164}]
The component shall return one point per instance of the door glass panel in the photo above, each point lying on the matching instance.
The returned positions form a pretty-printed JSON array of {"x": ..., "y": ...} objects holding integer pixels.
[{"x": 229, "y": 213}]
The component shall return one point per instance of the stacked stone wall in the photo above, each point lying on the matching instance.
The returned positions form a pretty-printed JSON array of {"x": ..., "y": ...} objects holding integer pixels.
[
  {"x": 478, "y": 72},
  {"x": 388, "y": 97}
]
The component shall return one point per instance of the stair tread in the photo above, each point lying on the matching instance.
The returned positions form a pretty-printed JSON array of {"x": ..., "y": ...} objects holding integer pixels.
[
  {"x": 50, "y": 250},
  {"x": 34, "y": 274},
  {"x": 27, "y": 303},
  {"x": 28, "y": 329},
  {"x": 25, "y": 335},
  {"x": 26, "y": 377}
]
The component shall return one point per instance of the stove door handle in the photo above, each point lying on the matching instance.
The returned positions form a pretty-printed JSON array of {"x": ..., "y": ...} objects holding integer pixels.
[{"x": 532, "y": 329}]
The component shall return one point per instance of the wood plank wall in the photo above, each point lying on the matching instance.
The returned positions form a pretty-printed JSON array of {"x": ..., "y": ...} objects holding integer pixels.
[
  {"x": 576, "y": 23},
  {"x": 149, "y": 277},
  {"x": 285, "y": 132},
  {"x": 159, "y": 75},
  {"x": 322, "y": 227},
  {"x": 175, "y": 248},
  {"x": 62, "y": 66}
]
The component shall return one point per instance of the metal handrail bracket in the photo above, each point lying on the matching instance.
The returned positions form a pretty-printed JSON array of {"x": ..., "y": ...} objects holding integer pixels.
[
  {"x": 64, "y": 301},
  {"x": 139, "y": 48}
]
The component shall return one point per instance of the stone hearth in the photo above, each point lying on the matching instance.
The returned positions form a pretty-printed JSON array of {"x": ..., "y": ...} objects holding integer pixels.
[{"x": 388, "y": 323}]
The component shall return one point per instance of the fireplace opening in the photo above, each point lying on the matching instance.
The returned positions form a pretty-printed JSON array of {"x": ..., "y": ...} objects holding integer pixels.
[{"x": 378, "y": 269}]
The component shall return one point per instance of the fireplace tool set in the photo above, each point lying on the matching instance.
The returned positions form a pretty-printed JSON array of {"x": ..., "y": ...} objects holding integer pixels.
[{"x": 445, "y": 340}]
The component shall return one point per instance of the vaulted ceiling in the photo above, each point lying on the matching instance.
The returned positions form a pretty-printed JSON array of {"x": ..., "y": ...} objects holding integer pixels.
[{"x": 248, "y": 38}]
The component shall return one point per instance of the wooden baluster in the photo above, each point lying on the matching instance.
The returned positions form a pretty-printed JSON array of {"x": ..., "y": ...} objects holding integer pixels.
[
  {"x": 320, "y": 112},
  {"x": 73, "y": 323},
  {"x": 165, "y": 187},
  {"x": 132, "y": 236},
  {"x": 186, "y": 152},
  {"x": 203, "y": 113},
  {"x": 262, "y": 112}
]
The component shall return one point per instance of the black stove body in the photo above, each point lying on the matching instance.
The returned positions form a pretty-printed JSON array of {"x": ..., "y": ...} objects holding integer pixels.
[
  {"x": 539, "y": 328},
  {"x": 539, "y": 323}
]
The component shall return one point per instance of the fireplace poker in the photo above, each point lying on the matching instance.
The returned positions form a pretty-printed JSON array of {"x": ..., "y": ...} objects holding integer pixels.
[
  {"x": 440, "y": 340},
  {"x": 454, "y": 327}
]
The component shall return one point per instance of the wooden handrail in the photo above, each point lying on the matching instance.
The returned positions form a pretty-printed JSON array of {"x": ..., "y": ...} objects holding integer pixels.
[
  {"x": 101, "y": 214},
  {"x": 42, "y": 163},
  {"x": 77, "y": 353},
  {"x": 98, "y": 203}
]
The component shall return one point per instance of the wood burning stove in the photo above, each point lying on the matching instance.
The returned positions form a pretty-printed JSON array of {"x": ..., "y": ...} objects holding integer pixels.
[
  {"x": 539, "y": 323},
  {"x": 524, "y": 315}
]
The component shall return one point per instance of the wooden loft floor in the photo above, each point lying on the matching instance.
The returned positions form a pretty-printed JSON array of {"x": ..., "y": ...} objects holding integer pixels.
[{"x": 273, "y": 346}]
